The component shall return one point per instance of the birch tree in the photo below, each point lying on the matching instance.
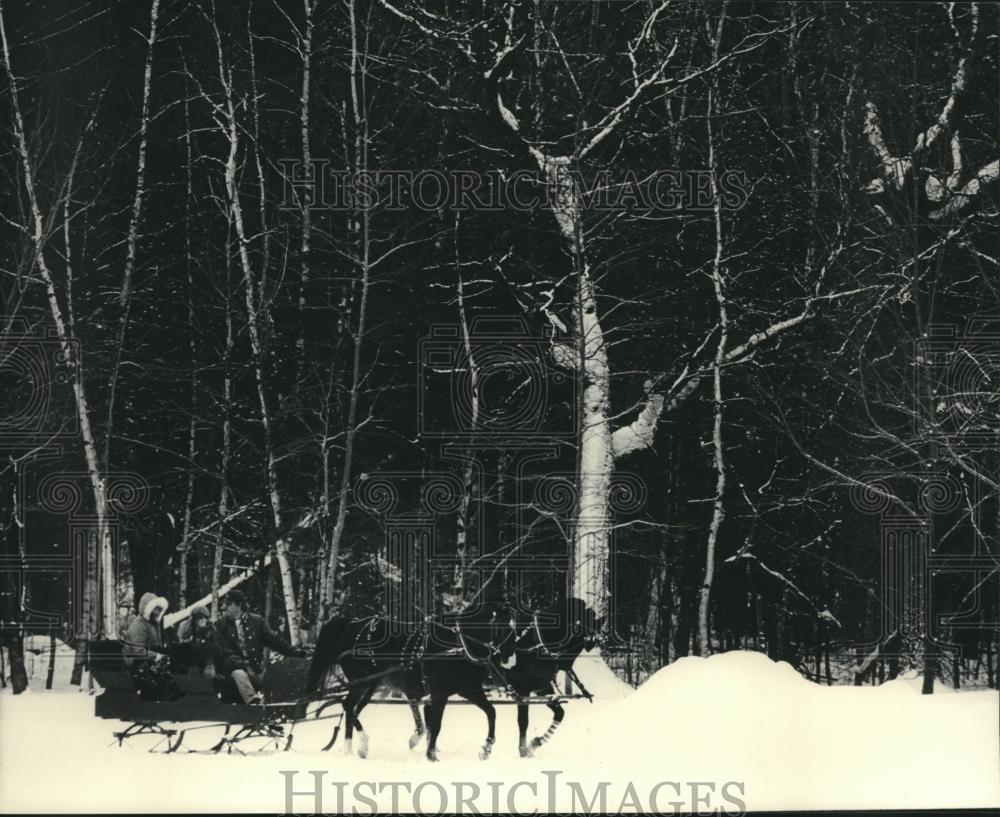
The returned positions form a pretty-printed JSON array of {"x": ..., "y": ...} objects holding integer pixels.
[
  {"x": 39, "y": 236},
  {"x": 224, "y": 113},
  {"x": 718, "y": 506},
  {"x": 135, "y": 221},
  {"x": 362, "y": 260},
  {"x": 583, "y": 346}
]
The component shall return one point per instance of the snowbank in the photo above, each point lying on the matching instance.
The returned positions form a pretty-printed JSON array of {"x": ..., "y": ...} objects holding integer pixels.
[
  {"x": 598, "y": 678},
  {"x": 737, "y": 719}
]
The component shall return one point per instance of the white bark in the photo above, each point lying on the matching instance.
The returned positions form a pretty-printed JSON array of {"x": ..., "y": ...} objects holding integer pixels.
[
  {"x": 596, "y": 460},
  {"x": 265, "y": 233},
  {"x": 133, "y": 229},
  {"x": 226, "y": 440},
  {"x": 599, "y": 446},
  {"x": 306, "y": 50},
  {"x": 227, "y": 120},
  {"x": 963, "y": 196},
  {"x": 364, "y": 262},
  {"x": 107, "y": 588},
  {"x": 462, "y": 522},
  {"x": 896, "y": 170},
  {"x": 718, "y": 507},
  {"x": 638, "y": 434},
  {"x": 185, "y": 544}
]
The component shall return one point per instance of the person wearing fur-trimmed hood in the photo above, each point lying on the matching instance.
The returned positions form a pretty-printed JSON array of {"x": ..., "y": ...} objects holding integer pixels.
[{"x": 144, "y": 652}]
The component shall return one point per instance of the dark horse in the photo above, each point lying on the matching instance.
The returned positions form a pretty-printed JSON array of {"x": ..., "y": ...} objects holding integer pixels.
[
  {"x": 545, "y": 642},
  {"x": 457, "y": 655},
  {"x": 439, "y": 658}
]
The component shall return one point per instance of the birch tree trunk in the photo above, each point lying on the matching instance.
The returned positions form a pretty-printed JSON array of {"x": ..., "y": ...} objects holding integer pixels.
[
  {"x": 596, "y": 460},
  {"x": 106, "y": 579},
  {"x": 227, "y": 387},
  {"x": 363, "y": 261},
  {"x": 600, "y": 446},
  {"x": 307, "y": 203},
  {"x": 253, "y": 325},
  {"x": 185, "y": 545},
  {"x": 133, "y": 231},
  {"x": 228, "y": 123},
  {"x": 718, "y": 508},
  {"x": 265, "y": 233},
  {"x": 462, "y": 521}
]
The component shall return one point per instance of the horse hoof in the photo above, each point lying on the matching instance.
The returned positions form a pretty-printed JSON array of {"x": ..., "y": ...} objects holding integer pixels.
[
  {"x": 432, "y": 755},
  {"x": 363, "y": 746},
  {"x": 415, "y": 738},
  {"x": 485, "y": 752},
  {"x": 526, "y": 752}
]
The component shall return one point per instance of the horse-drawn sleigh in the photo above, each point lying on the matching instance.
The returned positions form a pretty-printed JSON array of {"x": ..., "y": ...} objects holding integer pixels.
[
  {"x": 206, "y": 703},
  {"x": 488, "y": 656}
]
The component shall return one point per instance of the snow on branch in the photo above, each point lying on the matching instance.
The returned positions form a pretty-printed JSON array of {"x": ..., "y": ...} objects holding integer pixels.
[
  {"x": 896, "y": 169},
  {"x": 171, "y": 619},
  {"x": 823, "y": 614},
  {"x": 638, "y": 434},
  {"x": 964, "y": 195},
  {"x": 862, "y": 667},
  {"x": 613, "y": 117}
]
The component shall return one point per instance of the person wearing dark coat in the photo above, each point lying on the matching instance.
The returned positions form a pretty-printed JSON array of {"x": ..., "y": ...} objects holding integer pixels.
[
  {"x": 145, "y": 654},
  {"x": 241, "y": 637},
  {"x": 197, "y": 647}
]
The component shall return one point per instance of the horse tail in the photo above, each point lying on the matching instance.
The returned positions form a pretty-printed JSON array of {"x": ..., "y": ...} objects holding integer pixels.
[{"x": 327, "y": 653}]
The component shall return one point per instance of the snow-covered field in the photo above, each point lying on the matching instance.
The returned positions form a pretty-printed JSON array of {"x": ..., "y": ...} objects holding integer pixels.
[{"x": 732, "y": 728}]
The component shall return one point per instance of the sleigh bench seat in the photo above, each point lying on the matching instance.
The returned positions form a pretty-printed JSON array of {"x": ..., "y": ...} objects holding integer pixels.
[{"x": 205, "y": 699}]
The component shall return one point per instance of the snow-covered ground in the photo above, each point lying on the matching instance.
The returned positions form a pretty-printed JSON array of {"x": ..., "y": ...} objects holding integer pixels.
[{"x": 732, "y": 728}]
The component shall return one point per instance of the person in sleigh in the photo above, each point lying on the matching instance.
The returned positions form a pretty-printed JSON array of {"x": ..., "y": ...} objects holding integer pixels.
[
  {"x": 241, "y": 637},
  {"x": 145, "y": 654}
]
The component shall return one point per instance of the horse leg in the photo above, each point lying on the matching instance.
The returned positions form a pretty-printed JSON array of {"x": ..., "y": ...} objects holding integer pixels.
[
  {"x": 414, "y": 699},
  {"x": 351, "y": 716},
  {"x": 433, "y": 715},
  {"x": 478, "y": 697},
  {"x": 522, "y": 729},
  {"x": 557, "y": 716},
  {"x": 362, "y": 734}
]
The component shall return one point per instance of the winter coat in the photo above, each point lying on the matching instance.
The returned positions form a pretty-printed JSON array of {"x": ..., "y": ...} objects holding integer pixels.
[
  {"x": 198, "y": 647},
  {"x": 144, "y": 639},
  {"x": 256, "y": 636}
]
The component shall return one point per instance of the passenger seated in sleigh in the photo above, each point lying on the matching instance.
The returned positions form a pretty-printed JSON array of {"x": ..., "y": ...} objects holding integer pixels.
[
  {"x": 241, "y": 637},
  {"x": 197, "y": 647},
  {"x": 145, "y": 653}
]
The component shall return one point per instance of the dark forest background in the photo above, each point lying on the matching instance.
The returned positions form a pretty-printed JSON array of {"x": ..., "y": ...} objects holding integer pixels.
[{"x": 247, "y": 359}]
